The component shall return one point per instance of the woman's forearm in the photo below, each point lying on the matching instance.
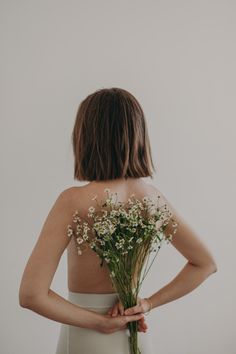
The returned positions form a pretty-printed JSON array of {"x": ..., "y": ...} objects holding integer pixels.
[
  {"x": 57, "y": 308},
  {"x": 186, "y": 280}
]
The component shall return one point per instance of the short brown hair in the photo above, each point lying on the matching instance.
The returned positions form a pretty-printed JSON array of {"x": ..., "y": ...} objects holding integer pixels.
[{"x": 110, "y": 137}]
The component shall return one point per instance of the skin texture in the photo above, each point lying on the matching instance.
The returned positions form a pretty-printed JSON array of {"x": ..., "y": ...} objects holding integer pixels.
[{"x": 35, "y": 292}]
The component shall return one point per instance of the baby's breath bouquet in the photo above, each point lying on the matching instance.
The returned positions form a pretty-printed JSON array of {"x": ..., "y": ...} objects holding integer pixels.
[{"x": 124, "y": 236}]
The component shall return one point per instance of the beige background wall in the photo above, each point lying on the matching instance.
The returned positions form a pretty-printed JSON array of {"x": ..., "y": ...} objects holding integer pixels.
[{"x": 178, "y": 59}]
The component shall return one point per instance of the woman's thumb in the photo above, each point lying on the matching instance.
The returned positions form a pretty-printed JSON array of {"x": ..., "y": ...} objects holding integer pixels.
[
  {"x": 134, "y": 317},
  {"x": 132, "y": 310}
]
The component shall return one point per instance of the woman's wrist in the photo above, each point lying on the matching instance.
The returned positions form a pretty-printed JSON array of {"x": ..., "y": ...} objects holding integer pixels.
[
  {"x": 98, "y": 321},
  {"x": 150, "y": 306}
]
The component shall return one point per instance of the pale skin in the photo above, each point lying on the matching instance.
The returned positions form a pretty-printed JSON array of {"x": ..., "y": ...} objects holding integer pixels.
[{"x": 36, "y": 295}]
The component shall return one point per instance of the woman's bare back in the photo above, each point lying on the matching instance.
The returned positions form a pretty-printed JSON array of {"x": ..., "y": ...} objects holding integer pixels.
[{"x": 85, "y": 275}]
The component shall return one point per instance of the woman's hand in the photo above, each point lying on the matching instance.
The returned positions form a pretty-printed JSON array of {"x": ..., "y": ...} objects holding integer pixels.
[
  {"x": 111, "y": 324},
  {"x": 141, "y": 307}
]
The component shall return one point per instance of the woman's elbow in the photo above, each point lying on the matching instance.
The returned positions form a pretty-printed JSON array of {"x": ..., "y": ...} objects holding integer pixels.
[
  {"x": 29, "y": 297},
  {"x": 211, "y": 267},
  {"x": 207, "y": 267},
  {"x": 26, "y": 299}
]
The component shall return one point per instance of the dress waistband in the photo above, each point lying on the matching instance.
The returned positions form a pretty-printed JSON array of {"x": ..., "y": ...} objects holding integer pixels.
[{"x": 93, "y": 299}]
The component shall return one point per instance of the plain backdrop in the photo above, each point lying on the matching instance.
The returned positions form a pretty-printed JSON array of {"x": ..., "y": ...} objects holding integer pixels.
[{"x": 178, "y": 59}]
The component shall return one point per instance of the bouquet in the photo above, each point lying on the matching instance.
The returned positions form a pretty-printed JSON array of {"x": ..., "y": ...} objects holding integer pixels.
[{"x": 124, "y": 235}]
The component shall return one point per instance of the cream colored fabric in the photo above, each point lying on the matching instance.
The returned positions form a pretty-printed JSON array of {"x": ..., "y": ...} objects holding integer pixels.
[{"x": 77, "y": 340}]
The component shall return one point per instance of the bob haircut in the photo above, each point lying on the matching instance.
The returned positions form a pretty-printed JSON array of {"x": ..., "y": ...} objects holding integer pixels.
[{"x": 110, "y": 138}]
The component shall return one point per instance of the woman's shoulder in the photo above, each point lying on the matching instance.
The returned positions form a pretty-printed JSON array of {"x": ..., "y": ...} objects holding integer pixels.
[
  {"x": 69, "y": 193},
  {"x": 74, "y": 196},
  {"x": 66, "y": 197},
  {"x": 80, "y": 197},
  {"x": 158, "y": 195},
  {"x": 153, "y": 189}
]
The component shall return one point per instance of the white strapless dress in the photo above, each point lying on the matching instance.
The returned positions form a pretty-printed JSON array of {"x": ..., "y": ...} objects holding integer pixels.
[{"x": 78, "y": 340}]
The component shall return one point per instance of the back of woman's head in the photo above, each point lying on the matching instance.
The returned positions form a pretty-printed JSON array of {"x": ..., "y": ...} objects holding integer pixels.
[{"x": 110, "y": 137}]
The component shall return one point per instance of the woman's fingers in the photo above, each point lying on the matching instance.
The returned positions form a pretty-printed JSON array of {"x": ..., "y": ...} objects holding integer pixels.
[
  {"x": 133, "y": 310},
  {"x": 142, "y": 326},
  {"x": 133, "y": 317},
  {"x": 142, "y": 306},
  {"x": 109, "y": 312},
  {"x": 142, "y": 322},
  {"x": 121, "y": 308},
  {"x": 113, "y": 311},
  {"x": 120, "y": 322},
  {"x": 117, "y": 308}
]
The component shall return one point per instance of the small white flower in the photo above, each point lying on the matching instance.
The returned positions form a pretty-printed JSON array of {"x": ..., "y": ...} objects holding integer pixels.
[
  {"x": 80, "y": 240},
  {"x": 118, "y": 245},
  {"x": 145, "y": 199},
  {"x": 92, "y": 246},
  {"x": 91, "y": 209},
  {"x": 139, "y": 240},
  {"x": 113, "y": 213},
  {"x": 76, "y": 213},
  {"x": 76, "y": 217},
  {"x": 69, "y": 231}
]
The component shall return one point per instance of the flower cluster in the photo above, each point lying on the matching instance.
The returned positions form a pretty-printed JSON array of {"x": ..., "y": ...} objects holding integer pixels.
[{"x": 122, "y": 224}]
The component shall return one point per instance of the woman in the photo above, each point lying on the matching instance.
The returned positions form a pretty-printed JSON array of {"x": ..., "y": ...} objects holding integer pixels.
[{"x": 111, "y": 150}]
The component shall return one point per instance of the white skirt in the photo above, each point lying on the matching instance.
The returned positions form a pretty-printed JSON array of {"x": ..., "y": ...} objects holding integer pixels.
[{"x": 78, "y": 340}]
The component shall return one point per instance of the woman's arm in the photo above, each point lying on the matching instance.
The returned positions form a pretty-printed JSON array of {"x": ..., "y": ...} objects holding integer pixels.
[
  {"x": 34, "y": 292},
  {"x": 200, "y": 263},
  {"x": 199, "y": 266}
]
